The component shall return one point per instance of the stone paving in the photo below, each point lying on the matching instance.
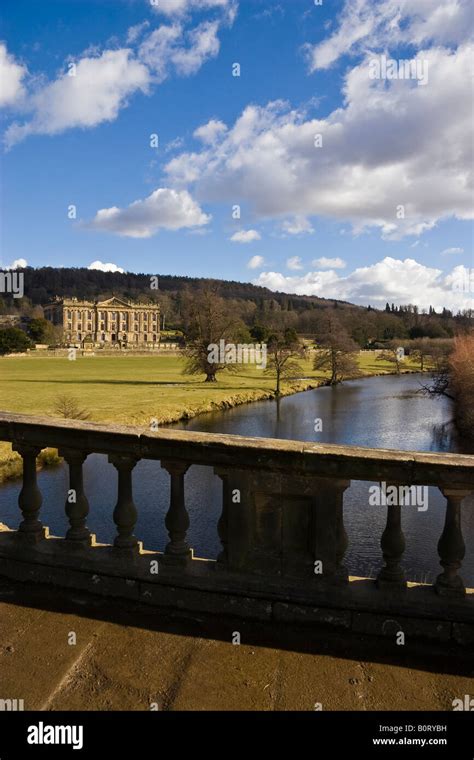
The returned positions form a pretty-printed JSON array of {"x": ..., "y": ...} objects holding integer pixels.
[{"x": 129, "y": 658}]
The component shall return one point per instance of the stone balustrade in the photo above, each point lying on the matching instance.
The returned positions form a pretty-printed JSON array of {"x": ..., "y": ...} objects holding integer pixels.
[{"x": 281, "y": 528}]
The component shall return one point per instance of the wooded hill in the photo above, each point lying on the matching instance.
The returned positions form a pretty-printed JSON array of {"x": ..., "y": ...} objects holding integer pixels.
[{"x": 253, "y": 304}]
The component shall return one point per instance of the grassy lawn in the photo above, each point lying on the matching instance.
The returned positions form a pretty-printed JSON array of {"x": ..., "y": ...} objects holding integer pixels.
[{"x": 133, "y": 390}]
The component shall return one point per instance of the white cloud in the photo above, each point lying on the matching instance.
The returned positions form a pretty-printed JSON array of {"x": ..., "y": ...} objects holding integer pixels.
[
  {"x": 157, "y": 48},
  {"x": 109, "y": 267},
  {"x": 174, "y": 144},
  {"x": 12, "y": 74},
  {"x": 245, "y": 236},
  {"x": 104, "y": 82},
  {"x": 454, "y": 251},
  {"x": 134, "y": 32},
  {"x": 204, "y": 44},
  {"x": 380, "y": 152},
  {"x": 299, "y": 225},
  {"x": 369, "y": 25},
  {"x": 16, "y": 264},
  {"x": 209, "y": 132},
  {"x": 256, "y": 262},
  {"x": 95, "y": 94},
  {"x": 186, "y": 51},
  {"x": 294, "y": 262},
  {"x": 392, "y": 280},
  {"x": 163, "y": 209},
  {"x": 181, "y": 7},
  {"x": 327, "y": 263}
]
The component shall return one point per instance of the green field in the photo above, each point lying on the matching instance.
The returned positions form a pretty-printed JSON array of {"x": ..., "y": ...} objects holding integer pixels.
[{"x": 133, "y": 390}]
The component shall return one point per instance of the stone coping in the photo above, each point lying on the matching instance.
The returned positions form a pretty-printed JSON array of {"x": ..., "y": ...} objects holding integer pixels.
[{"x": 219, "y": 450}]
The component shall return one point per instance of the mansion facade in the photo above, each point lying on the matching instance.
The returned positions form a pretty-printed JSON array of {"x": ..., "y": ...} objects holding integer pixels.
[{"x": 113, "y": 322}]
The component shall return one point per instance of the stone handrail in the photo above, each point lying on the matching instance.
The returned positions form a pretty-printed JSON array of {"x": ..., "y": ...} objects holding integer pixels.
[{"x": 282, "y": 537}]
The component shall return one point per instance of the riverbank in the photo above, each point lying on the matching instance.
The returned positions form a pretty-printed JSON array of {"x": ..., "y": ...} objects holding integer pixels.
[
  {"x": 141, "y": 391},
  {"x": 11, "y": 463}
]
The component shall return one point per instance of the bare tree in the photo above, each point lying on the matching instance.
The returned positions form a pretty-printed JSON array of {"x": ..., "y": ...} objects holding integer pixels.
[
  {"x": 68, "y": 407},
  {"x": 441, "y": 384},
  {"x": 391, "y": 353},
  {"x": 337, "y": 351},
  {"x": 208, "y": 320},
  {"x": 420, "y": 349},
  {"x": 283, "y": 352}
]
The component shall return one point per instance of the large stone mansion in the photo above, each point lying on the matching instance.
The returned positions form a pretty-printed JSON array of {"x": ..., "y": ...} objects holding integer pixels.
[{"x": 111, "y": 322}]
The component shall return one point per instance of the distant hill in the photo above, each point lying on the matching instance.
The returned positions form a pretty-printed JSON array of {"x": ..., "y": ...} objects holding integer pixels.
[
  {"x": 44, "y": 283},
  {"x": 256, "y": 305}
]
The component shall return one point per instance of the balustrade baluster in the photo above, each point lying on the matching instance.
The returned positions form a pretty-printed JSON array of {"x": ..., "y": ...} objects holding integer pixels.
[
  {"x": 125, "y": 512},
  {"x": 77, "y": 506},
  {"x": 330, "y": 537},
  {"x": 31, "y": 529},
  {"x": 451, "y": 547},
  {"x": 392, "y": 575},
  {"x": 177, "y": 518}
]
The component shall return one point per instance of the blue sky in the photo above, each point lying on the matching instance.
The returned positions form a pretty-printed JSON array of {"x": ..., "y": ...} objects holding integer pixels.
[{"x": 380, "y": 210}]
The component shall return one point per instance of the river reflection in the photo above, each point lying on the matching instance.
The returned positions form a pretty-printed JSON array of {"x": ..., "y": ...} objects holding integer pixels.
[{"x": 386, "y": 412}]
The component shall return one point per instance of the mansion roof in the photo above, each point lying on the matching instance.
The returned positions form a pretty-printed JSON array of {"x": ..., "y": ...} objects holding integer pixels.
[{"x": 113, "y": 302}]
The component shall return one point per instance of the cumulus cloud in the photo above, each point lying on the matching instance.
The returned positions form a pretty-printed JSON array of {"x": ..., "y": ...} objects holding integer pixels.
[
  {"x": 109, "y": 267},
  {"x": 173, "y": 47},
  {"x": 392, "y": 280},
  {"x": 204, "y": 44},
  {"x": 209, "y": 132},
  {"x": 383, "y": 24},
  {"x": 164, "y": 209},
  {"x": 103, "y": 82},
  {"x": 16, "y": 264},
  {"x": 256, "y": 262},
  {"x": 294, "y": 262},
  {"x": 299, "y": 225},
  {"x": 380, "y": 165},
  {"x": 12, "y": 74},
  {"x": 100, "y": 87},
  {"x": 452, "y": 251},
  {"x": 245, "y": 236},
  {"x": 326, "y": 263}
]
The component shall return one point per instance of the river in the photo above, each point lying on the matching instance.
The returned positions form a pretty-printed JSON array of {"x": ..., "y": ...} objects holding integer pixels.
[{"x": 386, "y": 412}]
